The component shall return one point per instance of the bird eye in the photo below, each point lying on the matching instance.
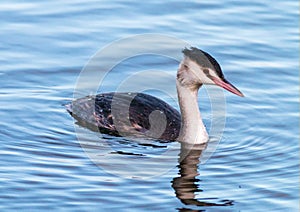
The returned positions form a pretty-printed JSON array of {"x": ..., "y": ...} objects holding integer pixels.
[{"x": 185, "y": 66}]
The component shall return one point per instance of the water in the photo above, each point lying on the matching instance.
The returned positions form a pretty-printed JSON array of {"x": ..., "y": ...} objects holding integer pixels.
[{"x": 46, "y": 44}]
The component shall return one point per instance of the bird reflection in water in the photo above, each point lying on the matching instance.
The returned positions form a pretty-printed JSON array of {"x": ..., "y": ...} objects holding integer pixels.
[{"x": 186, "y": 186}]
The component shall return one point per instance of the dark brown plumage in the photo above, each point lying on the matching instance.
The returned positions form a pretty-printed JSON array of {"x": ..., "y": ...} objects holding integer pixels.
[{"x": 95, "y": 113}]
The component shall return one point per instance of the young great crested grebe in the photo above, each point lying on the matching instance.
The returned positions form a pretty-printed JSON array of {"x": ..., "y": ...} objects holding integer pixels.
[{"x": 196, "y": 68}]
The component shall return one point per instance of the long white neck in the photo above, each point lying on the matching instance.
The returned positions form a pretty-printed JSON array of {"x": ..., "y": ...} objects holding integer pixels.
[{"x": 192, "y": 130}]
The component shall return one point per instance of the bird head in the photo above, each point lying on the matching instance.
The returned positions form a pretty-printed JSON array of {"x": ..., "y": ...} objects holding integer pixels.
[{"x": 198, "y": 68}]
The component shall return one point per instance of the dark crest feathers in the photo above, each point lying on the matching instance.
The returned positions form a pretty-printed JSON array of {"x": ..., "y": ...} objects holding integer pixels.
[{"x": 196, "y": 55}]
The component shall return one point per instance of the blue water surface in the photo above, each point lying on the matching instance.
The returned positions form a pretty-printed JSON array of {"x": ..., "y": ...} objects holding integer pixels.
[{"x": 45, "y": 165}]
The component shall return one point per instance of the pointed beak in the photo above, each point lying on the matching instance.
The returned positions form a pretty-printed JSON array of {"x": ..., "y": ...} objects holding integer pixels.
[{"x": 228, "y": 86}]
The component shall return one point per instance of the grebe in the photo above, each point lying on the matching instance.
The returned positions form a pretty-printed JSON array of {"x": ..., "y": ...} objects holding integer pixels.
[{"x": 196, "y": 68}]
